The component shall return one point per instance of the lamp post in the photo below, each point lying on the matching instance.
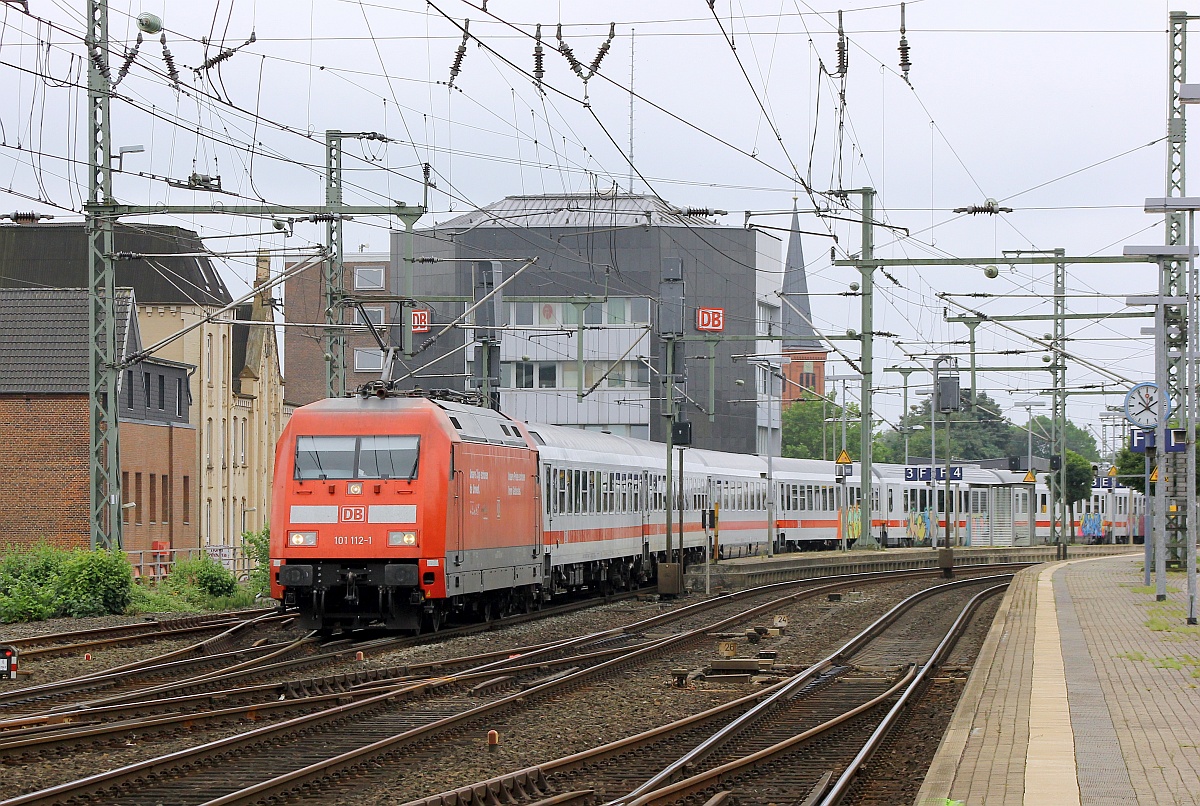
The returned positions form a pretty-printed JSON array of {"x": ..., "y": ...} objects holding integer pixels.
[
  {"x": 244, "y": 511},
  {"x": 771, "y": 371},
  {"x": 907, "y": 431},
  {"x": 946, "y": 400},
  {"x": 843, "y": 501},
  {"x": 1112, "y": 420},
  {"x": 1029, "y": 406}
]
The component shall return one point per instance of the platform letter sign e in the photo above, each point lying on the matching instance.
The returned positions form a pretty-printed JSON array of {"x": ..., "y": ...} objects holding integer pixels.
[
  {"x": 710, "y": 320},
  {"x": 354, "y": 514}
]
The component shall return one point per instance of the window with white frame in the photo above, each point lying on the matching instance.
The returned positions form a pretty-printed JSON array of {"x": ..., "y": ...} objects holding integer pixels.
[
  {"x": 368, "y": 278},
  {"x": 368, "y": 360},
  {"x": 767, "y": 320},
  {"x": 374, "y": 315}
]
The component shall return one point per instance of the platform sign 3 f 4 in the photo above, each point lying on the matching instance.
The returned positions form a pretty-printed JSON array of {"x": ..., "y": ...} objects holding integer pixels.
[{"x": 710, "y": 320}]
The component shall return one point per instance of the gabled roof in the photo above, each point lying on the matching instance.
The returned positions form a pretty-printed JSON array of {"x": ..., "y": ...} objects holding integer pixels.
[
  {"x": 54, "y": 255},
  {"x": 44, "y": 338},
  {"x": 578, "y": 210}
]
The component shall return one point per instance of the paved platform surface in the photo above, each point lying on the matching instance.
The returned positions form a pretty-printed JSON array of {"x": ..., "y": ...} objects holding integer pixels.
[{"x": 1087, "y": 691}]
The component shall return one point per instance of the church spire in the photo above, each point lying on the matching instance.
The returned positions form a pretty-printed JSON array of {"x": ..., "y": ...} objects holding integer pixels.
[{"x": 798, "y": 331}]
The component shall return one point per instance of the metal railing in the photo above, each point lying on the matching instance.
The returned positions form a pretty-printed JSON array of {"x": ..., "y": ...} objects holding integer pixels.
[{"x": 152, "y": 565}]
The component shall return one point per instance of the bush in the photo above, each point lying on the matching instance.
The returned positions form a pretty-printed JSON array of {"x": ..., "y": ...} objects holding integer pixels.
[
  {"x": 29, "y": 589},
  {"x": 200, "y": 575},
  {"x": 258, "y": 546},
  {"x": 45, "y": 582},
  {"x": 96, "y": 583}
]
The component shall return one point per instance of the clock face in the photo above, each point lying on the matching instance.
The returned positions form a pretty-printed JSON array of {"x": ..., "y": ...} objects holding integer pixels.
[{"x": 1142, "y": 405}]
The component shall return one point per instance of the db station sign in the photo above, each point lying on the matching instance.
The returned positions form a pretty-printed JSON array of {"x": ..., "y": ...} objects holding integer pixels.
[
  {"x": 420, "y": 320},
  {"x": 710, "y": 320}
]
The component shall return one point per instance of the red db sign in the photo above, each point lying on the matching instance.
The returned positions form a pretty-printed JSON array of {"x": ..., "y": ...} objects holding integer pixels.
[
  {"x": 710, "y": 320},
  {"x": 420, "y": 320}
]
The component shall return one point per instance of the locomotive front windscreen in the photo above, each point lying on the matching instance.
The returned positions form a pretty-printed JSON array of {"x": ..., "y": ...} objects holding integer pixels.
[{"x": 370, "y": 457}]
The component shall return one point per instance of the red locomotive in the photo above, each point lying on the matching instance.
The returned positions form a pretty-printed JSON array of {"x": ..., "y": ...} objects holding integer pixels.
[{"x": 396, "y": 510}]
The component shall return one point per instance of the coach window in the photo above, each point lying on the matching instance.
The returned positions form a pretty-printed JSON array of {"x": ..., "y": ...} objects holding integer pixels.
[
  {"x": 388, "y": 457},
  {"x": 325, "y": 457}
]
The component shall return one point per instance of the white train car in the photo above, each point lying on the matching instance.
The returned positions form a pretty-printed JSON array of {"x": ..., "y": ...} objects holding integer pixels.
[{"x": 605, "y": 495}]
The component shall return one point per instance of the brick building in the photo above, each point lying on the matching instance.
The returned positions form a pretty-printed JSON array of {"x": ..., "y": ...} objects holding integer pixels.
[
  {"x": 44, "y": 361},
  {"x": 237, "y": 412}
]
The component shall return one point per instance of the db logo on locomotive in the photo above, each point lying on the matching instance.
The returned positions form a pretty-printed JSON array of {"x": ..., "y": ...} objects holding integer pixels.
[{"x": 354, "y": 514}]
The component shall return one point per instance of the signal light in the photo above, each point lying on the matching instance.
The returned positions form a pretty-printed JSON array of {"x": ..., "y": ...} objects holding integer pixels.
[{"x": 408, "y": 538}]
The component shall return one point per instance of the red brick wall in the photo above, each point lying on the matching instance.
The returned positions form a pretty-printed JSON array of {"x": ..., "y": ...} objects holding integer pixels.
[
  {"x": 44, "y": 476},
  {"x": 44, "y": 471},
  {"x": 153, "y": 450}
]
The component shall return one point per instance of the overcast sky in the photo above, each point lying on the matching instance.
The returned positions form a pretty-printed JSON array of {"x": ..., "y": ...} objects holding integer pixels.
[{"x": 1057, "y": 110}]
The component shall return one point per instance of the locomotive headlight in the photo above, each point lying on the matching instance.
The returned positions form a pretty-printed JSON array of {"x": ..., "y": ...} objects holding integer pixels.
[
  {"x": 302, "y": 538},
  {"x": 402, "y": 538},
  {"x": 354, "y": 488}
]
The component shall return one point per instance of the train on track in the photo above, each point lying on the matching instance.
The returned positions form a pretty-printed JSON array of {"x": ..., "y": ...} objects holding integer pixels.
[{"x": 404, "y": 510}]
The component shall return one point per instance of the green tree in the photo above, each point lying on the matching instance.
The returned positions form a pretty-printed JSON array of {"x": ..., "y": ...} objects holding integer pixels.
[
  {"x": 1131, "y": 469},
  {"x": 1078, "y": 439},
  {"x": 806, "y": 435},
  {"x": 978, "y": 432}
]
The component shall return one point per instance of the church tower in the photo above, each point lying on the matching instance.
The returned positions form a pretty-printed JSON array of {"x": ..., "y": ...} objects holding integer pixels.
[{"x": 800, "y": 342}]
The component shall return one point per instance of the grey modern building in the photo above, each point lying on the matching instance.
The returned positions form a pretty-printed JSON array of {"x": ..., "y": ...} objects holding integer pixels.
[{"x": 578, "y": 328}]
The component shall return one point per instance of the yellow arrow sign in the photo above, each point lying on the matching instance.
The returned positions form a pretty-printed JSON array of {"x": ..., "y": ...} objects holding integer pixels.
[
  {"x": 844, "y": 458},
  {"x": 1112, "y": 472},
  {"x": 1030, "y": 478},
  {"x": 1154, "y": 476}
]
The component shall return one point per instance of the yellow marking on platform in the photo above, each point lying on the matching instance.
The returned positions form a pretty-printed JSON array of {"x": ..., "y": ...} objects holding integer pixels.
[{"x": 1051, "y": 777}]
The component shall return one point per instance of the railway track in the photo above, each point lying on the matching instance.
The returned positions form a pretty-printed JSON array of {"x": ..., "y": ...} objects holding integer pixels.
[
  {"x": 374, "y": 718},
  {"x": 80, "y": 641},
  {"x": 804, "y": 740}
]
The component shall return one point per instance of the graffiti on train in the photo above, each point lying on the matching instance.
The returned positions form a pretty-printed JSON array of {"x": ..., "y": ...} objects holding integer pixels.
[
  {"x": 920, "y": 524},
  {"x": 1092, "y": 525}
]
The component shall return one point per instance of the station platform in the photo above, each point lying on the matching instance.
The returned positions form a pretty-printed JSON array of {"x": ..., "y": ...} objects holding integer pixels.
[
  {"x": 1087, "y": 691},
  {"x": 744, "y": 572}
]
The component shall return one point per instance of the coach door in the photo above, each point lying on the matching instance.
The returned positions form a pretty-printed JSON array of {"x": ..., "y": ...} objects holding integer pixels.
[
  {"x": 548, "y": 491},
  {"x": 1002, "y": 516},
  {"x": 643, "y": 507},
  {"x": 457, "y": 519}
]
